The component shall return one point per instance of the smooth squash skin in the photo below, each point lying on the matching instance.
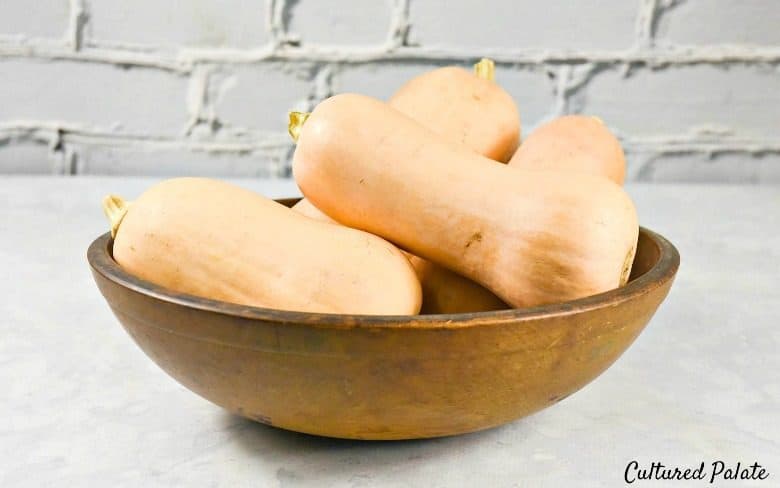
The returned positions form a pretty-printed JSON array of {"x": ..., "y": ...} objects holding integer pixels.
[
  {"x": 466, "y": 108},
  {"x": 212, "y": 239},
  {"x": 531, "y": 237},
  {"x": 304, "y": 207},
  {"x": 443, "y": 291},
  {"x": 463, "y": 107},
  {"x": 578, "y": 143},
  {"x": 472, "y": 109}
]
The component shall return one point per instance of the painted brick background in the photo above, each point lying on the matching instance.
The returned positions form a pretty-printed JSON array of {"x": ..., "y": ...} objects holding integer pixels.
[{"x": 692, "y": 87}]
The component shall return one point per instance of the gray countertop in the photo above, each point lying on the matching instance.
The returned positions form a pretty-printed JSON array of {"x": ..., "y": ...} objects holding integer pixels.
[{"x": 80, "y": 404}]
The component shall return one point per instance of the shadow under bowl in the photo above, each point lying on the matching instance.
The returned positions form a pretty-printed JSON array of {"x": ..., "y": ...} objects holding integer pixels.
[{"x": 385, "y": 377}]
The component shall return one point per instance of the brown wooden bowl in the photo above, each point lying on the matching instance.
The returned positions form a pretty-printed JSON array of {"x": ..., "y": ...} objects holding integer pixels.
[{"x": 385, "y": 377}]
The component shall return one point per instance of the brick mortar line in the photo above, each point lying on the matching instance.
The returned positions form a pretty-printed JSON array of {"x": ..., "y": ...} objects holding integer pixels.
[
  {"x": 274, "y": 15},
  {"x": 645, "y": 19},
  {"x": 650, "y": 12},
  {"x": 198, "y": 102},
  {"x": 184, "y": 60},
  {"x": 50, "y": 133},
  {"x": 659, "y": 146},
  {"x": 56, "y": 134},
  {"x": 399, "y": 25},
  {"x": 118, "y": 57},
  {"x": 78, "y": 16}
]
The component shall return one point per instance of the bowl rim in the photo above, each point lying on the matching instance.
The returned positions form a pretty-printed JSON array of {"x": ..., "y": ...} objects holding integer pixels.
[{"x": 102, "y": 262}]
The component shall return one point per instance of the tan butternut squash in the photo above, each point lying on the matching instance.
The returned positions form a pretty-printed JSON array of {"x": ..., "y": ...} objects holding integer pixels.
[
  {"x": 443, "y": 291},
  {"x": 577, "y": 143},
  {"x": 215, "y": 240},
  {"x": 531, "y": 237},
  {"x": 304, "y": 207},
  {"x": 465, "y": 107}
]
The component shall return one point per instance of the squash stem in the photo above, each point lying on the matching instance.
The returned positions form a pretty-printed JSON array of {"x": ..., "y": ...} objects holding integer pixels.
[
  {"x": 297, "y": 119},
  {"x": 485, "y": 69},
  {"x": 115, "y": 208}
]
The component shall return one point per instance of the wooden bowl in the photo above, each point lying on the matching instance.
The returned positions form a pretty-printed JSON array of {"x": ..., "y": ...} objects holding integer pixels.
[{"x": 385, "y": 377}]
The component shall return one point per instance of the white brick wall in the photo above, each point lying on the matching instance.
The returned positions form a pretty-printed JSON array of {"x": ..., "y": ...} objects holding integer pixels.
[
  {"x": 96, "y": 95},
  {"x": 558, "y": 24},
  {"x": 688, "y": 98},
  {"x": 218, "y": 23},
  {"x": 340, "y": 22},
  {"x": 259, "y": 96},
  {"x": 202, "y": 87},
  {"x": 722, "y": 21},
  {"x": 41, "y": 18}
]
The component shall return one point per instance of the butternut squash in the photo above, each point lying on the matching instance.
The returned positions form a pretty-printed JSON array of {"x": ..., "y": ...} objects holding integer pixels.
[
  {"x": 531, "y": 237},
  {"x": 443, "y": 291},
  {"x": 469, "y": 108},
  {"x": 573, "y": 143},
  {"x": 215, "y": 240},
  {"x": 304, "y": 207}
]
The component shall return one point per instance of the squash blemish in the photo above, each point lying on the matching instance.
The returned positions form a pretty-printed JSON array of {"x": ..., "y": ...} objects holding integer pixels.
[{"x": 475, "y": 237}]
